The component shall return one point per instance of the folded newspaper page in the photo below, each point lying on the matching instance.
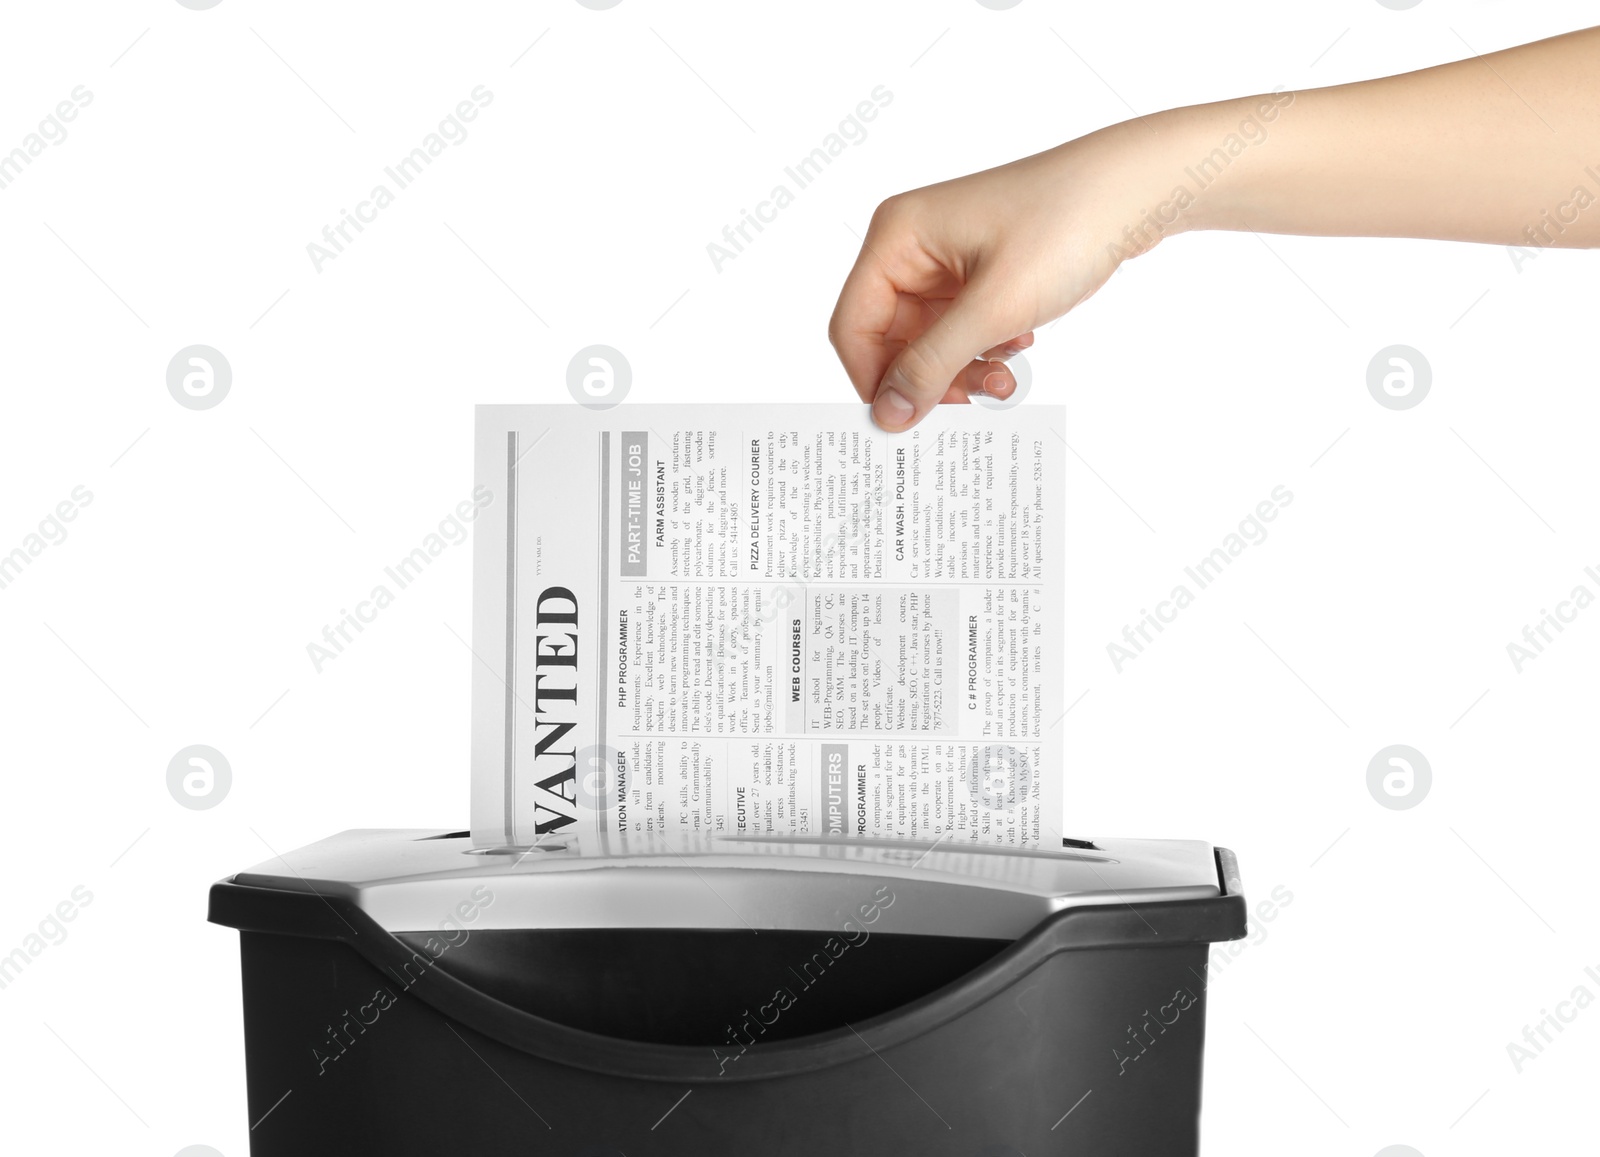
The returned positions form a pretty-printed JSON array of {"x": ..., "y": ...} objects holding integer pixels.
[{"x": 768, "y": 621}]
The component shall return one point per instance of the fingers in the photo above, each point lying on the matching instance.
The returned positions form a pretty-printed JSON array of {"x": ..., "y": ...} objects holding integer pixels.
[
  {"x": 910, "y": 334},
  {"x": 1009, "y": 349},
  {"x": 988, "y": 374},
  {"x": 982, "y": 376},
  {"x": 874, "y": 321},
  {"x": 922, "y": 373},
  {"x": 861, "y": 323}
]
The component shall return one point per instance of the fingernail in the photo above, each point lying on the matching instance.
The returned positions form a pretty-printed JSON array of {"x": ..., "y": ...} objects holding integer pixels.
[
  {"x": 996, "y": 385},
  {"x": 890, "y": 408}
]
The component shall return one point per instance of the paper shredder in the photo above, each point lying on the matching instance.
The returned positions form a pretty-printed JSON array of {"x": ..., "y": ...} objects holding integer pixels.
[{"x": 408, "y": 993}]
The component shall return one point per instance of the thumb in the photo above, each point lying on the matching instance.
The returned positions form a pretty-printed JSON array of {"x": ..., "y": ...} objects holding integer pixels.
[{"x": 917, "y": 379}]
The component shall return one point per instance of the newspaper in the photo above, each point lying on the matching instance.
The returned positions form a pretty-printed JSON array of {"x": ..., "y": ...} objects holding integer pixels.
[{"x": 767, "y": 621}]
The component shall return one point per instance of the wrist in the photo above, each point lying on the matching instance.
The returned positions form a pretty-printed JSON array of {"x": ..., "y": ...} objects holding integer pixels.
[
  {"x": 1198, "y": 167},
  {"x": 1218, "y": 158}
]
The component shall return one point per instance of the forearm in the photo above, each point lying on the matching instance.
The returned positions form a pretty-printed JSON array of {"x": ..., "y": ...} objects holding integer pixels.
[{"x": 1502, "y": 149}]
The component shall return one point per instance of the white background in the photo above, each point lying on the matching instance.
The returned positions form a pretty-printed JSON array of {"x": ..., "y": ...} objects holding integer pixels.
[{"x": 1378, "y": 1007}]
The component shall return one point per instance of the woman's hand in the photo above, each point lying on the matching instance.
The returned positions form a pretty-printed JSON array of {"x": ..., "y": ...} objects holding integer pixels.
[{"x": 952, "y": 279}]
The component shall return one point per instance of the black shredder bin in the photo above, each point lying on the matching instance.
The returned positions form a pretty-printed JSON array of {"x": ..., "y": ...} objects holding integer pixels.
[{"x": 407, "y": 993}]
